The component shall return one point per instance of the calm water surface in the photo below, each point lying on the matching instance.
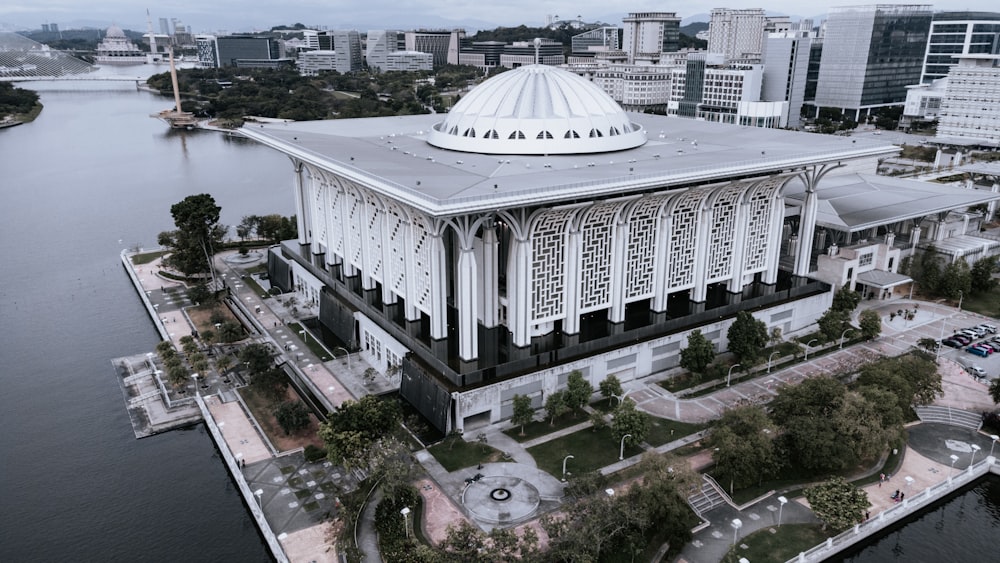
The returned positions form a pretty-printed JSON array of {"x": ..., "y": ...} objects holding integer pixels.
[{"x": 92, "y": 175}]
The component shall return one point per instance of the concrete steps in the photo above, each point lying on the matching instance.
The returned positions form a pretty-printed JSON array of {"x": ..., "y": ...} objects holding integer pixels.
[
  {"x": 949, "y": 415},
  {"x": 705, "y": 498}
]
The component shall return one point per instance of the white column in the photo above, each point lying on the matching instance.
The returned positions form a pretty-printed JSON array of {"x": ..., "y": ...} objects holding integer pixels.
[
  {"x": 519, "y": 291},
  {"x": 991, "y": 207},
  {"x": 618, "y": 274},
  {"x": 774, "y": 245},
  {"x": 662, "y": 273},
  {"x": 742, "y": 211},
  {"x": 439, "y": 288},
  {"x": 300, "y": 206},
  {"x": 388, "y": 297},
  {"x": 330, "y": 225},
  {"x": 571, "y": 307},
  {"x": 410, "y": 311},
  {"x": 468, "y": 329},
  {"x": 700, "y": 290},
  {"x": 807, "y": 226},
  {"x": 915, "y": 236},
  {"x": 491, "y": 271}
]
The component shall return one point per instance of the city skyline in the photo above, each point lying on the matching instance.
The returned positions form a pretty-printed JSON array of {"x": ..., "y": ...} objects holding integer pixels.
[{"x": 232, "y": 16}]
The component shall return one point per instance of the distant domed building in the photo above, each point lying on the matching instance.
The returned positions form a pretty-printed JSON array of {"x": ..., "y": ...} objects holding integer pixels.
[{"x": 116, "y": 49}]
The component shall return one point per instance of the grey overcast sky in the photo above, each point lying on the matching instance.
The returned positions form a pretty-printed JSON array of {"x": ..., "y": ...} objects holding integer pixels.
[{"x": 204, "y": 16}]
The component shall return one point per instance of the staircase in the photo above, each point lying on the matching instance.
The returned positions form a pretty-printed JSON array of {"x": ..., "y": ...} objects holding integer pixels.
[
  {"x": 705, "y": 498},
  {"x": 949, "y": 415}
]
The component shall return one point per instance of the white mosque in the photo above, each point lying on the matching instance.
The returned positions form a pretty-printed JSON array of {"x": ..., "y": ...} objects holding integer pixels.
[{"x": 538, "y": 229}]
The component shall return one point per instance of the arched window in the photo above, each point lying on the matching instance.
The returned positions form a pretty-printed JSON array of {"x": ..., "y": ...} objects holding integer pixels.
[
  {"x": 516, "y": 135},
  {"x": 470, "y": 132},
  {"x": 571, "y": 134},
  {"x": 595, "y": 133},
  {"x": 544, "y": 135}
]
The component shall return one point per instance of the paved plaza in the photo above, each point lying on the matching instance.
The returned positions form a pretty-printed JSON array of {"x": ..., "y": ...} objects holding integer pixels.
[{"x": 298, "y": 498}]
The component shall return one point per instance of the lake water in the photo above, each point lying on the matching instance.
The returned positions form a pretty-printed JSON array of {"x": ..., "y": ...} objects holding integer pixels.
[{"x": 91, "y": 176}]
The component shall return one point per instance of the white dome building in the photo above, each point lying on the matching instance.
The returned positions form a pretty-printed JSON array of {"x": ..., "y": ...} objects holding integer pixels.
[
  {"x": 537, "y": 110},
  {"x": 116, "y": 49}
]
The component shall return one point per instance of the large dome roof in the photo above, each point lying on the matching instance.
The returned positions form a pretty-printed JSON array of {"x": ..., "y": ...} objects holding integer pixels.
[
  {"x": 537, "y": 109},
  {"x": 115, "y": 31}
]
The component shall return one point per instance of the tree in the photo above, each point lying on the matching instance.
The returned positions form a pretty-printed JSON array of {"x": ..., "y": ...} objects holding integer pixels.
[
  {"x": 995, "y": 391},
  {"x": 870, "y": 323},
  {"x": 523, "y": 413},
  {"x": 356, "y": 426},
  {"x": 912, "y": 378},
  {"x": 198, "y": 233},
  {"x": 837, "y": 503},
  {"x": 744, "y": 450},
  {"x": 177, "y": 375},
  {"x": 555, "y": 406},
  {"x": 747, "y": 339},
  {"x": 578, "y": 391},
  {"x": 956, "y": 280},
  {"x": 698, "y": 354},
  {"x": 610, "y": 386},
  {"x": 292, "y": 416},
  {"x": 271, "y": 383},
  {"x": 833, "y": 323},
  {"x": 982, "y": 274},
  {"x": 257, "y": 357},
  {"x": 846, "y": 299},
  {"x": 928, "y": 270},
  {"x": 626, "y": 419},
  {"x": 806, "y": 414}
]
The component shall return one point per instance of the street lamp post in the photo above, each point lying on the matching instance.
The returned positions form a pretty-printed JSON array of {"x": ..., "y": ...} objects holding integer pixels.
[
  {"x": 406, "y": 520},
  {"x": 954, "y": 458},
  {"x": 195, "y": 377},
  {"x": 782, "y": 501},
  {"x": 730, "y": 374},
  {"x": 348, "y": 354},
  {"x": 771, "y": 357},
  {"x": 619, "y": 397},
  {"x": 993, "y": 437},
  {"x": 842, "y": 337},
  {"x": 305, "y": 339},
  {"x": 260, "y": 505},
  {"x": 807, "y": 348},
  {"x": 564, "y": 465},
  {"x": 975, "y": 450},
  {"x": 737, "y": 524},
  {"x": 960, "y": 297},
  {"x": 621, "y": 450}
]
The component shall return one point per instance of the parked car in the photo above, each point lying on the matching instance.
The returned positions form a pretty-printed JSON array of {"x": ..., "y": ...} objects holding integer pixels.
[
  {"x": 952, "y": 342},
  {"x": 976, "y": 371},
  {"x": 978, "y": 331},
  {"x": 981, "y": 352},
  {"x": 969, "y": 333},
  {"x": 962, "y": 338},
  {"x": 992, "y": 329}
]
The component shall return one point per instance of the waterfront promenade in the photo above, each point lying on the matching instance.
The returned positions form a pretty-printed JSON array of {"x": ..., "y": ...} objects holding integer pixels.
[{"x": 338, "y": 379}]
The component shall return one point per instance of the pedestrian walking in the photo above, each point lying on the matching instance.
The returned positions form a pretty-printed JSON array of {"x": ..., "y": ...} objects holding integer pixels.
[
  {"x": 881, "y": 479},
  {"x": 901, "y": 495}
]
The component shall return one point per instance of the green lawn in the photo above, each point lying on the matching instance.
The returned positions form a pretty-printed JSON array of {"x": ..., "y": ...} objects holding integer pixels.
[
  {"x": 662, "y": 430},
  {"x": 314, "y": 345},
  {"x": 983, "y": 303},
  {"x": 147, "y": 257},
  {"x": 590, "y": 449},
  {"x": 785, "y": 543},
  {"x": 454, "y": 453},
  {"x": 542, "y": 427}
]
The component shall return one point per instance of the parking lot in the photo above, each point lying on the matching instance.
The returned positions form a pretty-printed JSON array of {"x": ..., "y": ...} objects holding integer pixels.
[{"x": 988, "y": 364}]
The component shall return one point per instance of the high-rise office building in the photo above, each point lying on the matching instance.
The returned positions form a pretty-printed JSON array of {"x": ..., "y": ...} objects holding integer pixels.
[
  {"x": 871, "y": 54},
  {"x": 165, "y": 26},
  {"x": 737, "y": 34},
  {"x": 444, "y": 45},
  {"x": 971, "y": 104},
  {"x": 379, "y": 43},
  {"x": 650, "y": 33},
  {"x": 347, "y": 44},
  {"x": 231, "y": 49},
  {"x": 959, "y": 33},
  {"x": 600, "y": 39},
  {"x": 786, "y": 70},
  {"x": 208, "y": 51}
]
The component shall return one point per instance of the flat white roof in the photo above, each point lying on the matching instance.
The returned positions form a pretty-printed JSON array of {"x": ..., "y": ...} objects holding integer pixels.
[
  {"x": 855, "y": 202},
  {"x": 391, "y": 155}
]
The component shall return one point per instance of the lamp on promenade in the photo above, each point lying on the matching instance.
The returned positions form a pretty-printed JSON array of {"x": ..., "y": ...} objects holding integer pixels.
[
  {"x": 736, "y": 524},
  {"x": 195, "y": 377},
  {"x": 564, "y": 465},
  {"x": 619, "y": 397},
  {"x": 960, "y": 297},
  {"x": 348, "y": 354},
  {"x": 782, "y": 501},
  {"x": 975, "y": 450},
  {"x": 807, "y": 349},
  {"x": 621, "y": 450},
  {"x": 771, "y": 357},
  {"x": 730, "y": 374},
  {"x": 258, "y": 493},
  {"x": 954, "y": 458},
  {"x": 842, "y": 337},
  {"x": 993, "y": 437}
]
